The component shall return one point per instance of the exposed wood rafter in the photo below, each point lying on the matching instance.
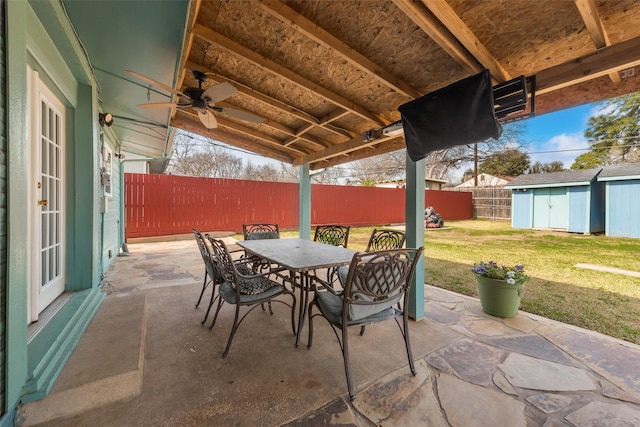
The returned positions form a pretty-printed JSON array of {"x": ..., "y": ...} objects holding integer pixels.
[
  {"x": 283, "y": 72},
  {"x": 589, "y": 12},
  {"x": 355, "y": 58}
]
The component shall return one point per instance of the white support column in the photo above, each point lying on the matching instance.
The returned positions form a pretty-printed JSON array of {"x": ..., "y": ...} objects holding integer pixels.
[
  {"x": 305, "y": 202},
  {"x": 414, "y": 220}
]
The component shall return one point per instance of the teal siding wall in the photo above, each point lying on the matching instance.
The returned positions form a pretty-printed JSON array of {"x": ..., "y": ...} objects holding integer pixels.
[
  {"x": 111, "y": 218},
  {"x": 521, "y": 208},
  {"x": 36, "y": 35},
  {"x": 3, "y": 212},
  {"x": 623, "y": 207}
]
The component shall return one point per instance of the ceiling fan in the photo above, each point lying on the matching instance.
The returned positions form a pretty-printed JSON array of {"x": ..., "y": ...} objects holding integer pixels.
[{"x": 201, "y": 100}]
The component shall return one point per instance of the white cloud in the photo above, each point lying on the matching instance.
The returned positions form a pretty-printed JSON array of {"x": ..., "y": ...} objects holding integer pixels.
[{"x": 564, "y": 148}]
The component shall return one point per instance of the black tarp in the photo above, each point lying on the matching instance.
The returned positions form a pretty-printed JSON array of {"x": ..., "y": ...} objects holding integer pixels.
[{"x": 458, "y": 114}]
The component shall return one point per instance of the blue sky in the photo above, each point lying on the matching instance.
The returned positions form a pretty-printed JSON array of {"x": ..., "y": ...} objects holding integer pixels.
[{"x": 559, "y": 135}]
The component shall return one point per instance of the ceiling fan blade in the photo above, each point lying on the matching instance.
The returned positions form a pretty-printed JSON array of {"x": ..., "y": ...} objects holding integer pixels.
[
  {"x": 153, "y": 82},
  {"x": 218, "y": 92},
  {"x": 239, "y": 114},
  {"x": 158, "y": 105},
  {"x": 208, "y": 119}
]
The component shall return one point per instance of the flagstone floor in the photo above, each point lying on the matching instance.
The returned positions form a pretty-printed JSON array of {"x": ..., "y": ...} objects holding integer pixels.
[{"x": 146, "y": 360}]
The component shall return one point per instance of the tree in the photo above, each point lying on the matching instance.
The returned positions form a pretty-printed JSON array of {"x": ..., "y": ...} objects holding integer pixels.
[
  {"x": 195, "y": 157},
  {"x": 538, "y": 167},
  {"x": 511, "y": 162},
  {"x": 614, "y": 134},
  {"x": 438, "y": 164}
]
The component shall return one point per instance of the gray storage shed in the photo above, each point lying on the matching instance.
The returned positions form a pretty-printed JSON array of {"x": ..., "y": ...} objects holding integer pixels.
[
  {"x": 622, "y": 195},
  {"x": 570, "y": 201}
]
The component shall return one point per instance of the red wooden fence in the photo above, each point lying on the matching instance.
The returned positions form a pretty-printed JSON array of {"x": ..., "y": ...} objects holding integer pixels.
[{"x": 157, "y": 205}]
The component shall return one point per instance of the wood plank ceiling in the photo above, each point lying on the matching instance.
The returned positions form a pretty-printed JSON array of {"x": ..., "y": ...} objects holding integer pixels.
[{"x": 321, "y": 73}]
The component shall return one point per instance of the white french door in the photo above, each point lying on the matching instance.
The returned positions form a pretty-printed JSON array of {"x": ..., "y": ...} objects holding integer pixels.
[{"x": 47, "y": 198}]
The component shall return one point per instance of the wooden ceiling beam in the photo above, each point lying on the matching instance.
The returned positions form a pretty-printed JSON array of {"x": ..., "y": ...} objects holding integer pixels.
[
  {"x": 272, "y": 102},
  {"x": 229, "y": 138},
  {"x": 439, "y": 34},
  {"x": 284, "y": 129},
  {"x": 591, "y": 66},
  {"x": 340, "y": 149},
  {"x": 589, "y": 12},
  {"x": 596, "y": 64},
  {"x": 310, "y": 29},
  {"x": 460, "y": 30},
  {"x": 235, "y": 48}
]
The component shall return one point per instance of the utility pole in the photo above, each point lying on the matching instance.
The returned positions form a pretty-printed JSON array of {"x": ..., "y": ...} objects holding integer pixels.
[{"x": 475, "y": 165}]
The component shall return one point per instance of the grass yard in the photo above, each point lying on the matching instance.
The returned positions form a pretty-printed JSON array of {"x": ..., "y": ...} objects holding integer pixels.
[{"x": 600, "y": 301}]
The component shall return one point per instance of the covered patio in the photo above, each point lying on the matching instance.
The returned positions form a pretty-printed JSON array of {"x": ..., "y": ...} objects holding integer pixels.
[{"x": 146, "y": 360}]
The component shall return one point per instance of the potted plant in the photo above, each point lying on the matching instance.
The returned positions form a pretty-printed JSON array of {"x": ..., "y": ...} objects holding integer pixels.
[{"x": 500, "y": 287}]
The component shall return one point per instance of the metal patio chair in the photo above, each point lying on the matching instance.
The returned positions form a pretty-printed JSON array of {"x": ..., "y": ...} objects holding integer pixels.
[
  {"x": 375, "y": 291},
  {"x": 245, "y": 290},
  {"x": 332, "y": 234},
  {"x": 211, "y": 274},
  {"x": 259, "y": 231},
  {"x": 380, "y": 240}
]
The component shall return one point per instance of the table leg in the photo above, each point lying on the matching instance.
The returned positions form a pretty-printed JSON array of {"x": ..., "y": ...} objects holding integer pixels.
[{"x": 305, "y": 286}]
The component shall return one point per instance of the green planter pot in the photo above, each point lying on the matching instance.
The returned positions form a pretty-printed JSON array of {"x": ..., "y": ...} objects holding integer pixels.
[{"x": 499, "y": 298}]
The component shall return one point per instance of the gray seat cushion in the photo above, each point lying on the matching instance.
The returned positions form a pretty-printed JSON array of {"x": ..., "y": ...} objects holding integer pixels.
[
  {"x": 331, "y": 306},
  {"x": 228, "y": 293}
]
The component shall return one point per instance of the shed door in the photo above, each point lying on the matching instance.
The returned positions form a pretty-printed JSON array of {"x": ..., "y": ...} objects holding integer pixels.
[{"x": 551, "y": 208}]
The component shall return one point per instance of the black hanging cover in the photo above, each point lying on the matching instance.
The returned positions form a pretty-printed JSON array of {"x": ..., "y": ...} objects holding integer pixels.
[{"x": 461, "y": 113}]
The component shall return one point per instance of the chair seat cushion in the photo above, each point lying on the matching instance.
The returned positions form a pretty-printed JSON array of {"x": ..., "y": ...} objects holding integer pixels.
[
  {"x": 262, "y": 235},
  {"x": 228, "y": 293},
  {"x": 331, "y": 306}
]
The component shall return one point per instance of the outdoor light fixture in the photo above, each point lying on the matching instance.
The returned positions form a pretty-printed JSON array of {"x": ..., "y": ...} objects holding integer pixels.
[{"x": 105, "y": 119}]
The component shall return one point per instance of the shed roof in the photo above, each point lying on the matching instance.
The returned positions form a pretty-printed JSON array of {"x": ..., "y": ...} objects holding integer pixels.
[
  {"x": 620, "y": 172},
  {"x": 555, "y": 179}
]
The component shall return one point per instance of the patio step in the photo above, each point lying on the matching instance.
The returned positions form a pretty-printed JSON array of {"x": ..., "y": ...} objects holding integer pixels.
[{"x": 51, "y": 347}]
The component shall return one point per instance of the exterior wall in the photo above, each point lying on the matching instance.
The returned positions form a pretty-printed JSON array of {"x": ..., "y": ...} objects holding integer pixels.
[
  {"x": 622, "y": 207},
  {"x": 110, "y": 217},
  {"x": 578, "y": 212},
  {"x": 582, "y": 209},
  {"x": 522, "y": 208},
  {"x": 3, "y": 213},
  {"x": 38, "y": 35}
]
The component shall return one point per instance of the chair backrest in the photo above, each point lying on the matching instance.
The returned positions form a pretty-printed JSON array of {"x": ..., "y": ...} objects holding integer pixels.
[
  {"x": 336, "y": 235},
  {"x": 260, "y": 231},
  {"x": 381, "y": 240},
  {"x": 377, "y": 281},
  {"x": 209, "y": 265},
  {"x": 221, "y": 259}
]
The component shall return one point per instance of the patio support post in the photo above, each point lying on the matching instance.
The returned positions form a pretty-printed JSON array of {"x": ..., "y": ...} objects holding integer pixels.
[
  {"x": 414, "y": 220},
  {"x": 305, "y": 202}
]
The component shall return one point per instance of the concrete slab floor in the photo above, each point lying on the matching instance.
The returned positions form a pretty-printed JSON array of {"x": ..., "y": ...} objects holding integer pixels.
[{"x": 146, "y": 360}]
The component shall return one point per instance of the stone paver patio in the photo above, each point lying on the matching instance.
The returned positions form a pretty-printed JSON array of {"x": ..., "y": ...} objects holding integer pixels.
[{"x": 473, "y": 369}]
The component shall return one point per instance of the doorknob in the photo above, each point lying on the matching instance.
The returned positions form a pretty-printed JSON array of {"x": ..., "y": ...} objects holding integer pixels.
[{"x": 42, "y": 202}]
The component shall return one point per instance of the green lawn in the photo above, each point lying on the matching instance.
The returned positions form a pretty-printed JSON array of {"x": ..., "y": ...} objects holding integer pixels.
[{"x": 600, "y": 301}]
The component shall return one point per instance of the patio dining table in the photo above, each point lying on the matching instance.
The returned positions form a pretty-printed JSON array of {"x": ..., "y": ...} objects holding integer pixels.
[{"x": 300, "y": 257}]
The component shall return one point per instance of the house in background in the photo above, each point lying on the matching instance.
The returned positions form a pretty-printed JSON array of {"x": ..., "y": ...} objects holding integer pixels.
[
  {"x": 484, "y": 180},
  {"x": 429, "y": 184},
  {"x": 622, "y": 200},
  {"x": 570, "y": 201}
]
